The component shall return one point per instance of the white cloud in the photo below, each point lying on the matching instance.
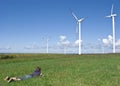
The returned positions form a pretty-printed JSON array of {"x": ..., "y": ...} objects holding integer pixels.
[
  {"x": 118, "y": 42},
  {"x": 77, "y": 42},
  {"x": 107, "y": 41},
  {"x": 63, "y": 38},
  {"x": 63, "y": 41}
]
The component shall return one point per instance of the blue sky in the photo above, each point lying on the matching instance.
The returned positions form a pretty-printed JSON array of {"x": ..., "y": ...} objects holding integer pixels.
[{"x": 28, "y": 23}]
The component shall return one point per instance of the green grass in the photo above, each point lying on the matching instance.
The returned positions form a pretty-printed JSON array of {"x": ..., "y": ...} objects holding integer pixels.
[{"x": 63, "y": 70}]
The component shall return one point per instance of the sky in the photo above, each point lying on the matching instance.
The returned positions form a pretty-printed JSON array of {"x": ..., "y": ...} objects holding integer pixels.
[{"x": 26, "y": 26}]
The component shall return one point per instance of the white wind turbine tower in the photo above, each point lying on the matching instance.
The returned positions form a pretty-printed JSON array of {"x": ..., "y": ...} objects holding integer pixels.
[
  {"x": 79, "y": 30},
  {"x": 47, "y": 44},
  {"x": 113, "y": 26}
]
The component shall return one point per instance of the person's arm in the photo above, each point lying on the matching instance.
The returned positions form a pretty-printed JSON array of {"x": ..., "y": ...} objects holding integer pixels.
[{"x": 41, "y": 74}]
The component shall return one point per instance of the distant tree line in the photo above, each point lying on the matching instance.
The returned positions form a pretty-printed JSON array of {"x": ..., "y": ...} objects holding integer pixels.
[{"x": 5, "y": 56}]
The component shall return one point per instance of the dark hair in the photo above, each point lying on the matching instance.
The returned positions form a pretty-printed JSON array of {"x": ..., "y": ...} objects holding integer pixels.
[{"x": 38, "y": 68}]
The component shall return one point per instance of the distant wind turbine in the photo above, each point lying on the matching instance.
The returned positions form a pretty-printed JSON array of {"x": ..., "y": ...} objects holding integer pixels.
[
  {"x": 64, "y": 49},
  {"x": 79, "y": 30},
  {"x": 113, "y": 26},
  {"x": 47, "y": 44}
]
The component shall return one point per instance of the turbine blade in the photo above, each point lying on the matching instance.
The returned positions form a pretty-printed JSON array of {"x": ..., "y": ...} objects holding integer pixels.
[
  {"x": 80, "y": 20},
  {"x": 75, "y": 16},
  {"x": 109, "y": 16},
  {"x": 70, "y": 10},
  {"x": 112, "y": 9}
]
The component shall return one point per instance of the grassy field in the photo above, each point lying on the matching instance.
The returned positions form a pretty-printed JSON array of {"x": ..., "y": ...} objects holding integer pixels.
[{"x": 63, "y": 70}]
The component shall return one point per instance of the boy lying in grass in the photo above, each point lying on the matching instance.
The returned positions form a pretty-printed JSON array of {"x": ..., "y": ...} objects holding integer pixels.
[{"x": 37, "y": 72}]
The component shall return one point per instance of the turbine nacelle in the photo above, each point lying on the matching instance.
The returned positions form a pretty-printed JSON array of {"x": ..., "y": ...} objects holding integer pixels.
[
  {"x": 113, "y": 15},
  {"x": 80, "y": 20}
]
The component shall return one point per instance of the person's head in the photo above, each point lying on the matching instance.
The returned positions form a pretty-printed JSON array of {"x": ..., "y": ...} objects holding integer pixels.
[{"x": 38, "y": 69}]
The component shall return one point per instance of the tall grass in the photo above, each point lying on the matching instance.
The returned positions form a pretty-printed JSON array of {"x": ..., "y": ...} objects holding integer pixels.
[{"x": 63, "y": 70}]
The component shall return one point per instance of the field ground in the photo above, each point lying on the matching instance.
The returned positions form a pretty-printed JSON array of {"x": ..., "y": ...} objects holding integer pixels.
[{"x": 63, "y": 70}]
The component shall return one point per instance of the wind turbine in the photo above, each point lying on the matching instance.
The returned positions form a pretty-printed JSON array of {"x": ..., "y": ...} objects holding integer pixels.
[
  {"x": 64, "y": 49},
  {"x": 113, "y": 26},
  {"x": 79, "y": 30},
  {"x": 47, "y": 44}
]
